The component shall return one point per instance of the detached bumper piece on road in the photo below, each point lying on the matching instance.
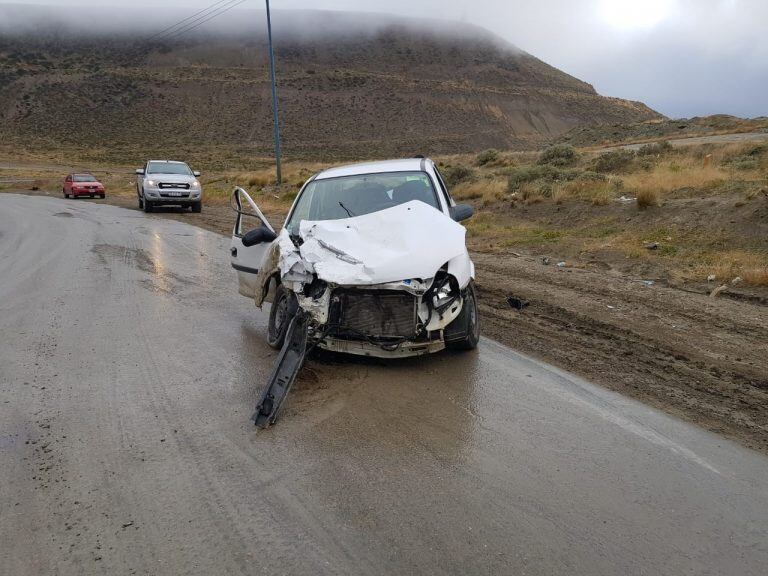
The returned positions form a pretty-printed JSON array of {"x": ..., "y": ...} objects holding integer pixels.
[{"x": 289, "y": 362}]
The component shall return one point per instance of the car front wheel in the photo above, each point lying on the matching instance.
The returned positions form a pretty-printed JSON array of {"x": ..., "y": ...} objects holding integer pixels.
[
  {"x": 464, "y": 332},
  {"x": 280, "y": 316}
]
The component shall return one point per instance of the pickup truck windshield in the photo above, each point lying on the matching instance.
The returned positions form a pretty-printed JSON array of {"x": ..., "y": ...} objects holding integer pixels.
[
  {"x": 347, "y": 196},
  {"x": 168, "y": 168}
]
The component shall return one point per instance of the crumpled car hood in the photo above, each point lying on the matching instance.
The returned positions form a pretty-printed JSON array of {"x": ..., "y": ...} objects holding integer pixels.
[{"x": 411, "y": 240}]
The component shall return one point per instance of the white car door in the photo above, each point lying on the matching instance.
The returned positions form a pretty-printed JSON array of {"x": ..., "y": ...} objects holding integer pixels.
[{"x": 251, "y": 239}]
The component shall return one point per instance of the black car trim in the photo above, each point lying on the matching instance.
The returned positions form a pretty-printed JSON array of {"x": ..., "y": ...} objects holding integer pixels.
[{"x": 245, "y": 269}]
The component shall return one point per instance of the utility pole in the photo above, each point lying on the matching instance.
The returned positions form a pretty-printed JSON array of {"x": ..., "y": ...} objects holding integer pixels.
[{"x": 274, "y": 97}]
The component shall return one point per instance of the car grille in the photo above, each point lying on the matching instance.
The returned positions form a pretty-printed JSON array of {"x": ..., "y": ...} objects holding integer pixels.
[
  {"x": 173, "y": 185},
  {"x": 375, "y": 313}
]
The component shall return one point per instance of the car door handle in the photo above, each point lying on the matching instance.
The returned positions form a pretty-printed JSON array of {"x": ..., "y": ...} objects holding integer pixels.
[{"x": 233, "y": 251}]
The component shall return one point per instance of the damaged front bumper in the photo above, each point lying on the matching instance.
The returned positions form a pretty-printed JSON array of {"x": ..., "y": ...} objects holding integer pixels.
[{"x": 364, "y": 348}]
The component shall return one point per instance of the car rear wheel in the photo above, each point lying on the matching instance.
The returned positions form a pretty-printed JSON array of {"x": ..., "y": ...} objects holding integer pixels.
[
  {"x": 464, "y": 332},
  {"x": 280, "y": 315}
]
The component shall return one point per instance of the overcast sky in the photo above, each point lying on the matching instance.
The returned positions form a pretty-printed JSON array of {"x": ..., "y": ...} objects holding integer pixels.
[{"x": 681, "y": 57}]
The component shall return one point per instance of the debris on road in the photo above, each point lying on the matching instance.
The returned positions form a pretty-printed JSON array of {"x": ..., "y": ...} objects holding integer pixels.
[
  {"x": 561, "y": 264},
  {"x": 545, "y": 260},
  {"x": 737, "y": 280},
  {"x": 287, "y": 366},
  {"x": 651, "y": 245},
  {"x": 517, "y": 303},
  {"x": 711, "y": 278},
  {"x": 648, "y": 282}
]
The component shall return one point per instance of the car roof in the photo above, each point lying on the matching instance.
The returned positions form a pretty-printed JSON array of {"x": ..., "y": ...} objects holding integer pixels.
[
  {"x": 400, "y": 165},
  {"x": 169, "y": 161}
]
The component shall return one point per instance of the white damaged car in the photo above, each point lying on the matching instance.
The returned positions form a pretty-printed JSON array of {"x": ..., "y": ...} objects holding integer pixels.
[{"x": 374, "y": 256}]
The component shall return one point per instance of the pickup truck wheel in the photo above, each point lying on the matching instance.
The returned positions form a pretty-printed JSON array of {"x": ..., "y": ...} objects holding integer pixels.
[
  {"x": 141, "y": 202},
  {"x": 280, "y": 314},
  {"x": 197, "y": 207},
  {"x": 468, "y": 322},
  {"x": 147, "y": 205}
]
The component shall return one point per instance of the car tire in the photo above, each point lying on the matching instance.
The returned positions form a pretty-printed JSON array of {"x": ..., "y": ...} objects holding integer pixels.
[
  {"x": 102, "y": 196},
  {"x": 197, "y": 207},
  {"x": 466, "y": 324},
  {"x": 280, "y": 314},
  {"x": 90, "y": 195},
  {"x": 65, "y": 193},
  {"x": 148, "y": 206}
]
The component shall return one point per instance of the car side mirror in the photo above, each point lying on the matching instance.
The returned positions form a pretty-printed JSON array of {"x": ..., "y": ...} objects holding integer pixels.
[
  {"x": 140, "y": 171},
  {"x": 258, "y": 236},
  {"x": 196, "y": 173},
  {"x": 461, "y": 212}
]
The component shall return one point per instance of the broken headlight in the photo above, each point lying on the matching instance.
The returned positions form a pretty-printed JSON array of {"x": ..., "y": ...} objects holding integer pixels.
[{"x": 444, "y": 291}]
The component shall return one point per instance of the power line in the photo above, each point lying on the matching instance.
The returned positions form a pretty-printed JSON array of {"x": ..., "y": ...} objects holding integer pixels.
[
  {"x": 202, "y": 20},
  {"x": 164, "y": 30}
]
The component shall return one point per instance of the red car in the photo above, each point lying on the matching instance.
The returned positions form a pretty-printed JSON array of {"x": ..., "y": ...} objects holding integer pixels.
[{"x": 82, "y": 185}]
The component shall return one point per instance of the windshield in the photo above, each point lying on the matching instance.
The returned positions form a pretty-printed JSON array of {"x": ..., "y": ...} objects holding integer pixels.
[
  {"x": 347, "y": 196},
  {"x": 83, "y": 178},
  {"x": 168, "y": 168}
]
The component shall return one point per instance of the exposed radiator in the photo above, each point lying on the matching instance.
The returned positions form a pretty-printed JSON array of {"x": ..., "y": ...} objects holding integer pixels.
[{"x": 376, "y": 313}]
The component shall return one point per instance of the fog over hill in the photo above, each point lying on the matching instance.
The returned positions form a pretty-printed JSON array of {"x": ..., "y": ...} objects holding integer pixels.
[{"x": 352, "y": 85}]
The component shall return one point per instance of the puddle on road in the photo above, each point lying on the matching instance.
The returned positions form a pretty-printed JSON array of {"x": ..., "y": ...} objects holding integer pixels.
[{"x": 162, "y": 281}]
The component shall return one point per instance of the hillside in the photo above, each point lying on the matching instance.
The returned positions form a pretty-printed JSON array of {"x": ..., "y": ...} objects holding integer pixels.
[
  {"x": 606, "y": 134},
  {"x": 349, "y": 86}
]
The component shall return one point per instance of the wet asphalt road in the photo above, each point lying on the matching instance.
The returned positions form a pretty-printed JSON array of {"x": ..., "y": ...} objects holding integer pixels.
[{"x": 129, "y": 367}]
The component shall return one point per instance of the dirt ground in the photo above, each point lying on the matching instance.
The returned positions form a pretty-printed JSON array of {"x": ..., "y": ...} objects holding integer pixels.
[{"x": 700, "y": 358}]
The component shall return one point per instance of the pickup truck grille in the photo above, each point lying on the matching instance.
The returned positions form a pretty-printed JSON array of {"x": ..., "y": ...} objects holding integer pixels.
[
  {"x": 375, "y": 313},
  {"x": 173, "y": 186}
]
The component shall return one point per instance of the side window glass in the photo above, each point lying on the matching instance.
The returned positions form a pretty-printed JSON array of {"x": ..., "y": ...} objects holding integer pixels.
[{"x": 443, "y": 187}]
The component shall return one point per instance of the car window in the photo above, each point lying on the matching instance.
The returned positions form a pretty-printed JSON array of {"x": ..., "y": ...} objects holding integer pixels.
[
  {"x": 443, "y": 187},
  {"x": 168, "y": 168},
  {"x": 347, "y": 196}
]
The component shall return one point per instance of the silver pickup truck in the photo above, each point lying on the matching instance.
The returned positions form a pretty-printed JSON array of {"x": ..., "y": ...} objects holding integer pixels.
[{"x": 168, "y": 183}]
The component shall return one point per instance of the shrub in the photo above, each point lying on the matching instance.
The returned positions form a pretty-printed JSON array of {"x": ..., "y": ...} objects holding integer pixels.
[
  {"x": 647, "y": 197},
  {"x": 544, "y": 173},
  {"x": 455, "y": 174},
  {"x": 613, "y": 161},
  {"x": 560, "y": 155},
  {"x": 655, "y": 149},
  {"x": 489, "y": 156}
]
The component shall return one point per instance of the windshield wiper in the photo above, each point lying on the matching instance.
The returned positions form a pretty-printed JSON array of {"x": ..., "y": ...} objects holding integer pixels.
[{"x": 347, "y": 210}]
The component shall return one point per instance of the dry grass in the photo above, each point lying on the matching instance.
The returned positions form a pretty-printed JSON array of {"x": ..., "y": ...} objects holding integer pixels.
[
  {"x": 487, "y": 190},
  {"x": 647, "y": 197},
  {"x": 672, "y": 176},
  {"x": 751, "y": 267}
]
